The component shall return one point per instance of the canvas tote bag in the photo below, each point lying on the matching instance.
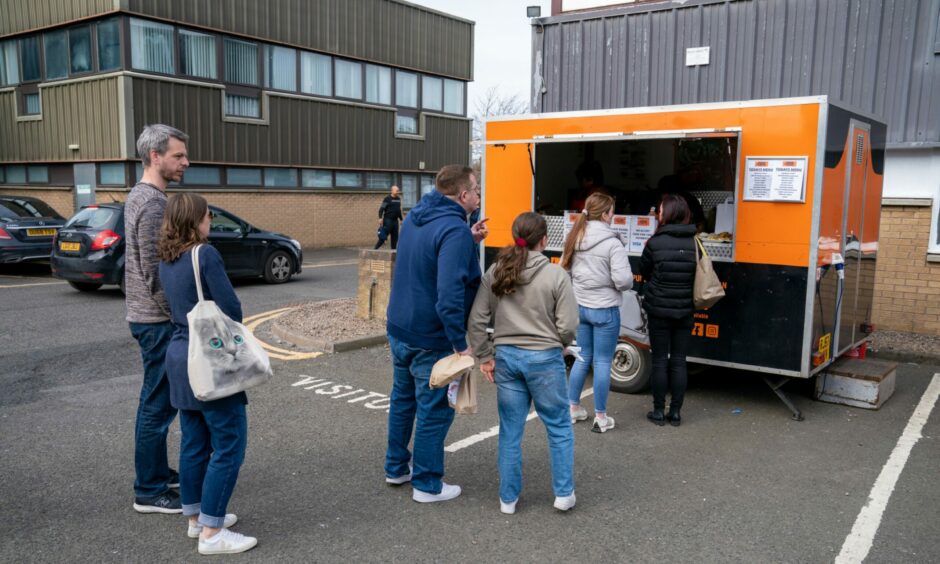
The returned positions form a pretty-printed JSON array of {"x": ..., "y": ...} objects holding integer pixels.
[
  {"x": 224, "y": 357},
  {"x": 707, "y": 289}
]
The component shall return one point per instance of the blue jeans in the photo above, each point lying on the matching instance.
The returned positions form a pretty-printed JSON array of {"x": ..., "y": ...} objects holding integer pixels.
[
  {"x": 211, "y": 453},
  {"x": 154, "y": 412},
  {"x": 597, "y": 337},
  {"x": 524, "y": 377},
  {"x": 414, "y": 405}
]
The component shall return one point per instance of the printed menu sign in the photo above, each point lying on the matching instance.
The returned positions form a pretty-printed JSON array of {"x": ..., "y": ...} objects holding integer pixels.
[
  {"x": 633, "y": 230},
  {"x": 777, "y": 179}
]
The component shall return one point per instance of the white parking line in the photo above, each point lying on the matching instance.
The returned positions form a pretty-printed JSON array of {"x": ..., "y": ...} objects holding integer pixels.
[
  {"x": 859, "y": 542},
  {"x": 31, "y": 284},
  {"x": 493, "y": 431}
]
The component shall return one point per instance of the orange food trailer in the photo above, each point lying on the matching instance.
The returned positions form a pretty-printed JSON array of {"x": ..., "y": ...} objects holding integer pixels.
[{"x": 790, "y": 197}]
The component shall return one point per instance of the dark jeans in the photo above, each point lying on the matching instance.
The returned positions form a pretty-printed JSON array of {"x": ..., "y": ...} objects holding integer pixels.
[
  {"x": 211, "y": 453},
  {"x": 392, "y": 230},
  {"x": 415, "y": 405},
  {"x": 154, "y": 412},
  {"x": 669, "y": 341}
]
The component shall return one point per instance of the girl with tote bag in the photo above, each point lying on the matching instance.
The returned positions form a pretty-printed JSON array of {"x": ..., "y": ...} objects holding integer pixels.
[{"x": 214, "y": 433}]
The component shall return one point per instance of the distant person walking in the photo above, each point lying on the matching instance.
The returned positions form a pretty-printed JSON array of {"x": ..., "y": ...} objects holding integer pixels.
[
  {"x": 668, "y": 268},
  {"x": 531, "y": 306},
  {"x": 437, "y": 274},
  {"x": 600, "y": 273},
  {"x": 162, "y": 150},
  {"x": 389, "y": 218},
  {"x": 215, "y": 433}
]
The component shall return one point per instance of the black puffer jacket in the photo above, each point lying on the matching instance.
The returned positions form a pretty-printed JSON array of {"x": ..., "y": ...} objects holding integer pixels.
[{"x": 668, "y": 269}]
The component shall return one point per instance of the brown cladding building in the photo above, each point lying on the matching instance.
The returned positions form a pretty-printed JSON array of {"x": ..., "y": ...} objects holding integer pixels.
[{"x": 301, "y": 113}]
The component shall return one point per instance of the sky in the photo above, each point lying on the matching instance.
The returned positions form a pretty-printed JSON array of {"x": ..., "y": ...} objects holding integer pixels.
[{"x": 502, "y": 43}]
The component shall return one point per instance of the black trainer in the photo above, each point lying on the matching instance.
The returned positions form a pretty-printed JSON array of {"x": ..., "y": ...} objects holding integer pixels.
[
  {"x": 168, "y": 502},
  {"x": 174, "y": 481}
]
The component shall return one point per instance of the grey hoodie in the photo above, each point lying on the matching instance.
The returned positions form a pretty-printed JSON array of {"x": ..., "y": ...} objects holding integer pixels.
[
  {"x": 540, "y": 314},
  {"x": 600, "y": 271}
]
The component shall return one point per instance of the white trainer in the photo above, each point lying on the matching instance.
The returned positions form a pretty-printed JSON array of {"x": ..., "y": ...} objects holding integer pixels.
[
  {"x": 400, "y": 479},
  {"x": 448, "y": 491},
  {"x": 578, "y": 413},
  {"x": 603, "y": 425},
  {"x": 508, "y": 508},
  {"x": 194, "y": 530},
  {"x": 226, "y": 542},
  {"x": 564, "y": 503}
]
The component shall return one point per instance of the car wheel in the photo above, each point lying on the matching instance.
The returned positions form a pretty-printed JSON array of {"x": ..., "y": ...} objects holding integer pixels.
[
  {"x": 85, "y": 286},
  {"x": 630, "y": 369},
  {"x": 278, "y": 269}
]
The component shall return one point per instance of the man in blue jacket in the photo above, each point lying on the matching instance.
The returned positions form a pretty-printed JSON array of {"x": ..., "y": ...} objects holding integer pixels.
[{"x": 437, "y": 273}]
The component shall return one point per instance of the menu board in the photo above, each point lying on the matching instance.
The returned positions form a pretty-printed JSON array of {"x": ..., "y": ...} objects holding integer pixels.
[
  {"x": 775, "y": 179},
  {"x": 633, "y": 230}
]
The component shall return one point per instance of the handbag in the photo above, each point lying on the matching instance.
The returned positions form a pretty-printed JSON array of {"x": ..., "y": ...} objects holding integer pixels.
[
  {"x": 706, "y": 290},
  {"x": 224, "y": 356},
  {"x": 382, "y": 233}
]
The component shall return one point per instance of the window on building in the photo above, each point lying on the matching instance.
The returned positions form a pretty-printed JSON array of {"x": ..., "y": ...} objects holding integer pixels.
[
  {"x": 316, "y": 178},
  {"x": 31, "y": 104},
  {"x": 348, "y": 79},
  {"x": 109, "y": 45},
  {"x": 197, "y": 54},
  {"x": 80, "y": 49},
  {"x": 378, "y": 84},
  {"x": 241, "y": 62},
  {"x": 406, "y": 124},
  {"x": 9, "y": 64},
  {"x": 280, "y": 68},
  {"x": 346, "y": 179},
  {"x": 112, "y": 174},
  {"x": 453, "y": 96},
  {"x": 427, "y": 184},
  {"x": 57, "y": 54},
  {"x": 431, "y": 94},
  {"x": 316, "y": 74},
  {"x": 242, "y": 106},
  {"x": 16, "y": 174},
  {"x": 409, "y": 190},
  {"x": 280, "y": 177},
  {"x": 406, "y": 89},
  {"x": 30, "y": 61},
  {"x": 202, "y": 176},
  {"x": 2, "y": 175},
  {"x": 243, "y": 176},
  {"x": 38, "y": 174},
  {"x": 152, "y": 46},
  {"x": 379, "y": 180}
]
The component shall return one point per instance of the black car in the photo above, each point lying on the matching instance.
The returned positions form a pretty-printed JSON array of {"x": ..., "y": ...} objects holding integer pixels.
[
  {"x": 89, "y": 250},
  {"x": 27, "y": 227}
]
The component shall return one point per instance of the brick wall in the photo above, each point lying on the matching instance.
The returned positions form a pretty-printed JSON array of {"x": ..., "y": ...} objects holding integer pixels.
[{"x": 907, "y": 291}]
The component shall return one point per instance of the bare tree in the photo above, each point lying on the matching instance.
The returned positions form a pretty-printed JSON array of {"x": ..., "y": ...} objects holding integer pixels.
[{"x": 492, "y": 103}]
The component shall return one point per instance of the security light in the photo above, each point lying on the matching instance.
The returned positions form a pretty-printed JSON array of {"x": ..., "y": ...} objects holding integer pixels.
[{"x": 533, "y": 11}]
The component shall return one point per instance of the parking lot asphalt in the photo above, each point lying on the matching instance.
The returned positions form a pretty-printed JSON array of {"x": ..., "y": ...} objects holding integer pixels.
[{"x": 738, "y": 481}]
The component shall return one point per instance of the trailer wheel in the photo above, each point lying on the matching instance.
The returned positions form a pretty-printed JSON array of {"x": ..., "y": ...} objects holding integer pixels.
[{"x": 630, "y": 369}]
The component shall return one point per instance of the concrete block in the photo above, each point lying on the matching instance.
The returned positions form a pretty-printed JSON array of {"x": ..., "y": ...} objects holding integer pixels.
[
  {"x": 865, "y": 383},
  {"x": 376, "y": 268}
]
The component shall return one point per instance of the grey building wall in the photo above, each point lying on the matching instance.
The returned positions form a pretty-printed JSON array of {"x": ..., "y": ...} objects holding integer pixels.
[
  {"x": 880, "y": 56},
  {"x": 24, "y": 15}
]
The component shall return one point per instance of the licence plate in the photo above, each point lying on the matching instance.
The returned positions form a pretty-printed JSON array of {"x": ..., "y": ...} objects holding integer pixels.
[
  {"x": 40, "y": 232},
  {"x": 64, "y": 246}
]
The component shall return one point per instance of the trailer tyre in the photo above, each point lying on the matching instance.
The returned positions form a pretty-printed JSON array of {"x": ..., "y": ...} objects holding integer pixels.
[{"x": 630, "y": 369}]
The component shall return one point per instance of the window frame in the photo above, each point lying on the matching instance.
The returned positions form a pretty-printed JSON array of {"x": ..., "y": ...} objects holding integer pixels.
[
  {"x": 265, "y": 47},
  {"x": 216, "y": 40},
  {"x": 259, "y": 67},
  {"x": 31, "y": 89},
  {"x": 128, "y": 54},
  {"x": 391, "y": 84},
  {"x": 45, "y": 55},
  {"x": 314, "y": 171},
  {"x": 100, "y": 179},
  {"x": 362, "y": 79},
  {"x": 424, "y": 99},
  {"x": 122, "y": 40},
  {"x": 39, "y": 54},
  {"x": 329, "y": 60},
  {"x": 463, "y": 89},
  {"x": 360, "y": 186},
  {"x": 273, "y": 170},
  {"x": 92, "y": 50},
  {"x": 229, "y": 183},
  {"x": 933, "y": 244},
  {"x": 395, "y": 103},
  {"x": 218, "y": 171},
  {"x": 29, "y": 174}
]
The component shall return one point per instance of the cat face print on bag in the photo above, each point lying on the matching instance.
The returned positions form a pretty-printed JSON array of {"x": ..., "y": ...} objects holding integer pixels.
[{"x": 223, "y": 343}]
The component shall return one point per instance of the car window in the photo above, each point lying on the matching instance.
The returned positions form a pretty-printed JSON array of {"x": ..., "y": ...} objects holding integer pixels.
[
  {"x": 38, "y": 209},
  {"x": 16, "y": 209},
  {"x": 7, "y": 213},
  {"x": 222, "y": 223},
  {"x": 93, "y": 218}
]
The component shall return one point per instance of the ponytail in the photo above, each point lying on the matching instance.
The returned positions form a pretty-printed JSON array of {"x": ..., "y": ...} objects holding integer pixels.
[
  {"x": 595, "y": 207},
  {"x": 528, "y": 230}
]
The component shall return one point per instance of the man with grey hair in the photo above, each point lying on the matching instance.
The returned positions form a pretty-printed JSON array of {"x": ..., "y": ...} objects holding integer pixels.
[{"x": 162, "y": 149}]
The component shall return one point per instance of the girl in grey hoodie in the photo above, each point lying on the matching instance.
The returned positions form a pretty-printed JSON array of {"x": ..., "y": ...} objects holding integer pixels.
[{"x": 600, "y": 272}]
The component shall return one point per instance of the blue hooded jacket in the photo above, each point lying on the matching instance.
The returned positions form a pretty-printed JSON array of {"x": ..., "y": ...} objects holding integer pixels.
[{"x": 437, "y": 274}]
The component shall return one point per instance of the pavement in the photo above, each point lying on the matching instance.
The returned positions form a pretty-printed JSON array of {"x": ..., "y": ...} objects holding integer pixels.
[{"x": 738, "y": 481}]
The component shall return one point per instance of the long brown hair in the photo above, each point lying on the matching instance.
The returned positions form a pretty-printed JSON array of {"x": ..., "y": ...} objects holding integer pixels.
[
  {"x": 529, "y": 228},
  {"x": 180, "y": 229},
  {"x": 675, "y": 210},
  {"x": 595, "y": 207}
]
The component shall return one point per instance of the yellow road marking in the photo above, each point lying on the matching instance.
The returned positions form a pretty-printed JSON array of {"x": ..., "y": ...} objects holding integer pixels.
[
  {"x": 276, "y": 352},
  {"x": 31, "y": 284}
]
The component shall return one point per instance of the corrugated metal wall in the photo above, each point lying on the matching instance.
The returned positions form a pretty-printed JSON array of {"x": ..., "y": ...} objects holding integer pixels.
[
  {"x": 880, "y": 56},
  {"x": 84, "y": 113},
  {"x": 23, "y": 15},
  {"x": 302, "y": 132},
  {"x": 378, "y": 30}
]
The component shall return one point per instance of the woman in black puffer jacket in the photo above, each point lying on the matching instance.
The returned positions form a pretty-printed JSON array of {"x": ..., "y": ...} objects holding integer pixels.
[{"x": 668, "y": 268}]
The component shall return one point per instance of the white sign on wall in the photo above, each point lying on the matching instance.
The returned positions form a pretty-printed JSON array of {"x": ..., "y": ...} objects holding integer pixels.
[
  {"x": 571, "y": 5},
  {"x": 695, "y": 56},
  {"x": 775, "y": 179}
]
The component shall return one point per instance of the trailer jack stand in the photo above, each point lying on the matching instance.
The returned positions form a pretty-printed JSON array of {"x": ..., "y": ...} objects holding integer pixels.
[{"x": 776, "y": 387}]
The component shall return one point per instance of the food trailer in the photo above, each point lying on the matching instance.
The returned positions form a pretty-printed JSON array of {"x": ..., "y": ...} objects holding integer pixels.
[{"x": 790, "y": 197}]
